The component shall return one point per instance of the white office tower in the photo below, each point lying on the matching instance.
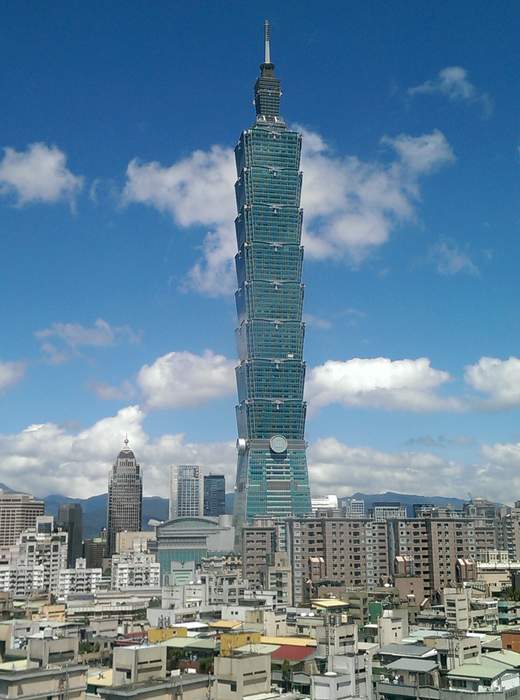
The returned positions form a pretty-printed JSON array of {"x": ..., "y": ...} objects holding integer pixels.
[
  {"x": 36, "y": 559},
  {"x": 329, "y": 502},
  {"x": 354, "y": 508},
  {"x": 135, "y": 570},
  {"x": 78, "y": 579},
  {"x": 186, "y": 491}
]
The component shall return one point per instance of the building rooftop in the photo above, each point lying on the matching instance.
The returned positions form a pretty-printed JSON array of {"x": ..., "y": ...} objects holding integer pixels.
[
  {"x": 410, "y": 650},
  {"x": 413, "y": 665},
  {"x": 327, "y": 603},
  {"x": 258, "y": 648},
  {"x": 286, "y": 652},
  {"x": 504, "y": 656},
  {"x": 189, "y": 642},
  {"x": 100, "y": 677},
  {"x": 291, "y": 641},
  {"x": 487, "y": 669},
  {"x": 225, "y": 624},
  {"x": 21, "y": 673},
  {"x": 132, "y": 689},
  {"x": 18, "y": 665}
]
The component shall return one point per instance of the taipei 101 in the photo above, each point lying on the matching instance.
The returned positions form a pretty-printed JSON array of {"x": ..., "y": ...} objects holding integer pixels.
[{"x": 260, "y": 350}]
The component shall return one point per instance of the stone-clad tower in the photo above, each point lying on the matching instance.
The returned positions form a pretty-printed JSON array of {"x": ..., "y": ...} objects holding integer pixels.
[
  {"x": 125, "y": 497},
  {"x": 272, "y": 477}
]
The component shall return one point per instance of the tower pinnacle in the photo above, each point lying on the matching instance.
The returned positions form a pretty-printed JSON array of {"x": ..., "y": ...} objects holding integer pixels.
[
  {"x": 267, "y": 87},
  {"x": 267, "y": 42}
]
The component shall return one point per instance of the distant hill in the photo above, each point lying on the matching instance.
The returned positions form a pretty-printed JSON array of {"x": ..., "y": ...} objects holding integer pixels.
[
  {"x": 404, "y": 499},
  {"x": 155, "y": 507},
  {"x": 95, "y": 510}
]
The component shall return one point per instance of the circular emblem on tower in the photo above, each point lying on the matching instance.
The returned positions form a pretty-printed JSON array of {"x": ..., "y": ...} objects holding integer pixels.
[{"x": 278, "y": 444}]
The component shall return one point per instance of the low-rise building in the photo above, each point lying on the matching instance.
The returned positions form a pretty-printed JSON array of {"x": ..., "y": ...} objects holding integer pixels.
[
  {"x": 138, "y": 664},
  {"x": 52, "y": 683}
]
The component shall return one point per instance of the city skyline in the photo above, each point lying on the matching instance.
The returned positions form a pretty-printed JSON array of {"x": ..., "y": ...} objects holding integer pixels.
[{"x": 121, "y": 191}]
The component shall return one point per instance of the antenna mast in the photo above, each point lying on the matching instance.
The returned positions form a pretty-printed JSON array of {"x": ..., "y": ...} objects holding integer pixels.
[{"x": 267, "y": 41}]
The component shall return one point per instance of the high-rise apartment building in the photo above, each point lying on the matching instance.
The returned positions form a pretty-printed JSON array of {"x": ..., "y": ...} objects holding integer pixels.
[
  {"x": 258, "y": 545},
  {"x": 70, "y": 518},
  {"x": 43, "y": 547},
  {"x": 352, "y": 551},
  {"x": 387, "y": 510},
  {"x": 135, "y": 570},
  {"x": 18, "y": 512},
  {"x": 78, "y": 579},
  {"x": 433, "y": 547},
  {"x": 272, "y": 478},
  {"x": 354, "y": 508},
  {"x": 214, "y": 495},
  {"x": 125, "y": 496},
  {"x": 186, "y": 491}
]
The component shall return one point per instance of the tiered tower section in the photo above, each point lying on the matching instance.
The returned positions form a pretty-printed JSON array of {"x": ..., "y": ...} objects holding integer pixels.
[{"x": 272, "y": 477}]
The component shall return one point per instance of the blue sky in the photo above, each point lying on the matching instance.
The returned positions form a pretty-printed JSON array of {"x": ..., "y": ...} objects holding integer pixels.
[{"x": 116, "y": 209}]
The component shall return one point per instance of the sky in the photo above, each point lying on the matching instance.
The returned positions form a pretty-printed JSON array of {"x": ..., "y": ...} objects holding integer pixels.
[{"x": 117, "y": 130}]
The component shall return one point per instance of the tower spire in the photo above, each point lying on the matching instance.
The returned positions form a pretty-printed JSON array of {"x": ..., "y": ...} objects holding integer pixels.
[
  {"x": 267, "y": 42},
  {"x": 267, "y": 87}
]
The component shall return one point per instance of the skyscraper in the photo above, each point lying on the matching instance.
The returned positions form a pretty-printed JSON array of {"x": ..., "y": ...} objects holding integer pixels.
[
  {"x": 186, "y": 491},
  {"x": 125, "y": 496},
  {"x": 272, "y": 477},
  {"x": 70, "y": 518},
  {"x": 214, "y": 495},
  {"x": 18, "y": 512}
]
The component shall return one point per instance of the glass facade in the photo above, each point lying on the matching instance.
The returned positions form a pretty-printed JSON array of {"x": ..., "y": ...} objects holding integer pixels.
[{"x": 272, "y": 478}]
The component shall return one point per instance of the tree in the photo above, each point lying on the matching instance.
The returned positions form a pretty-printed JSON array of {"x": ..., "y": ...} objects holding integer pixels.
[{"x": 286, "y": 674}]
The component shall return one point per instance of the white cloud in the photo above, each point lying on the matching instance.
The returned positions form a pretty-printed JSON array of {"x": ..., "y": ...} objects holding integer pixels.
[
  {"x": 181, "y": 379},
  {"x": 38, "y": 174},
  {"x": 442, "y": 442},
  {"x": 498, "y": 379},
  {"x": 422, "y": 154},
  {"x": 317, "y": 322},
  {"x": 195, "y": 191},
  {"x": 10, "y": 374},
  {"x": 351, "y": 206},
  {"x": 453, "y": 83},
  {"x": 449, "y": 259},
  {"x": 48, "y": 458},
  {"x": 61, "y": 340},
  {"x": 109, "y": 392},
  {"x": 379, "y": 382},
  {"x": 335, "y": 467}
]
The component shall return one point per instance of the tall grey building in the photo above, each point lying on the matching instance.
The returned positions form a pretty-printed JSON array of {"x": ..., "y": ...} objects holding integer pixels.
[
  {"x": 70, "y": 518},
  {"x": 186, "y": 491},
  {"x": 18, "y": 512},
  {"x": 272, "y": 477},
  {"x": 214, "y": 495},
  {"x": 125, "y": 496}
]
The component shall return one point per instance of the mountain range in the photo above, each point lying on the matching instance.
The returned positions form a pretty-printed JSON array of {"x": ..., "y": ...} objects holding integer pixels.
[{"x": 95, "y": 507}]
